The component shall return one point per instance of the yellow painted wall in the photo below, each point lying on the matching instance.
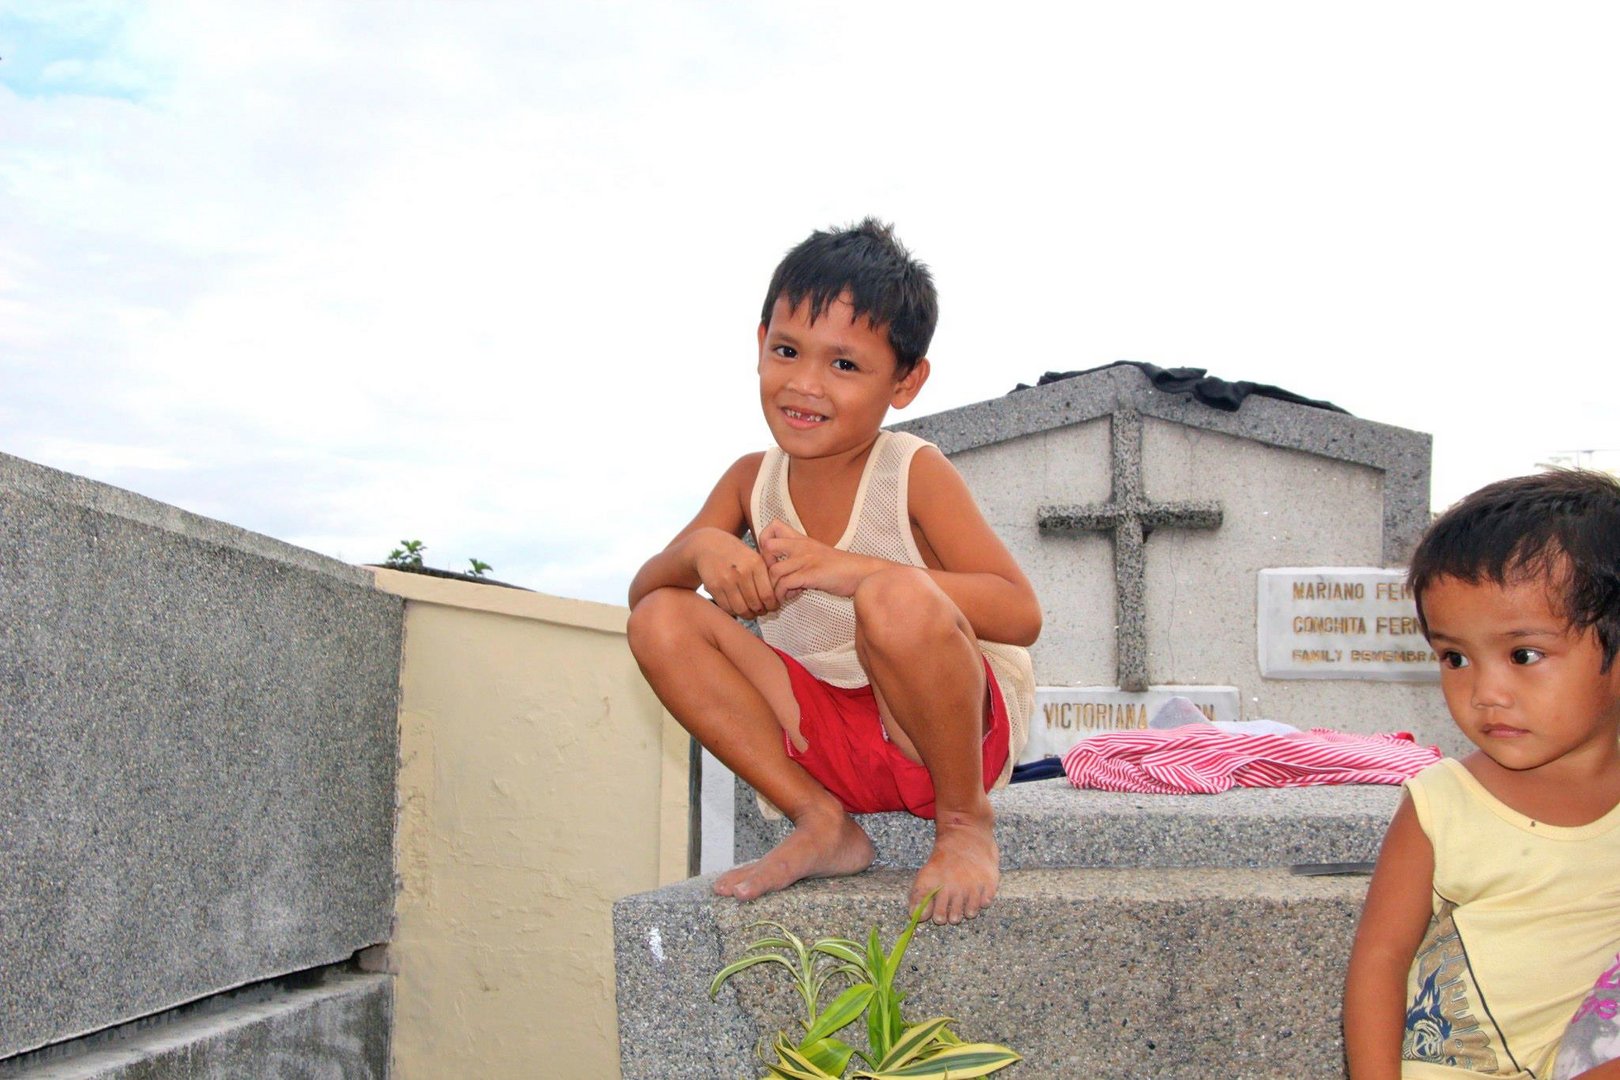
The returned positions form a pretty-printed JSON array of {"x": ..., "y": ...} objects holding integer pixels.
[{"x": 540, "y": 780}]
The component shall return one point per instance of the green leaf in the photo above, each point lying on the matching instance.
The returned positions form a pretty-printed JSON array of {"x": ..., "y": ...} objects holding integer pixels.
[
  {"x": 842, "y": 949},
  {"x": 875, "y": 958},
  {"x": 911, "y": 928},
  {"x": 829, "y": 1055},
  {"x": 956, "y": 1063},
  {"x": 856, "y": 974},
  {"x": 780, "y": 1071},
  {"x": 784, "y": 940},
  {"x": 878, "y": 1038},
  {"x": 746, "y": 962},
  {"x": 792, "y": 1059},
  {"x": 916, "y": 1039},
  {"x": 844, "y": 1010}
]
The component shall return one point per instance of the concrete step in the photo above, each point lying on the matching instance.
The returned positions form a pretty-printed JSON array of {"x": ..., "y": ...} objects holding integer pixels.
[
  {"x": 337, "y": 1027},
  {"x": 1050, "y": 823},
  {"x": 1115, "y": 973}
]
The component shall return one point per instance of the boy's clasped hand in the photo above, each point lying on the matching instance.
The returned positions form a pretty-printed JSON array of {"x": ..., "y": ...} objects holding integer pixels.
[
  {"x": 796, "y": 562},
  {"x": 748, "y": 583}
]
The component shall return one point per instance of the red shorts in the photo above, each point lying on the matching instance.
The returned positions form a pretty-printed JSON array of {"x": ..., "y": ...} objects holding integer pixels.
[{"x": 849, "y": 754}]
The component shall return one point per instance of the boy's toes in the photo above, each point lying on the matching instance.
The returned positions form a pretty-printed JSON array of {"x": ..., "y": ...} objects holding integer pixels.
[
  {"x": 977, "y": 900},
  {"x": 963, "y": 866},
  {"x": 987, "y": 896},
  {"x": 738, "y": 882}
]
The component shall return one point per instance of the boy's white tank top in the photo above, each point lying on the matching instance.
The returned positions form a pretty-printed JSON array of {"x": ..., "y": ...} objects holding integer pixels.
[{"x": 818, "y": 629}]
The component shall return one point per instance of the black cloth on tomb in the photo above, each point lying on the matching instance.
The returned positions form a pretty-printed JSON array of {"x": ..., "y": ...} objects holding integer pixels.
[
  {"x": 1044, "y": 769},
  {"x": 1212, "y": 390}
]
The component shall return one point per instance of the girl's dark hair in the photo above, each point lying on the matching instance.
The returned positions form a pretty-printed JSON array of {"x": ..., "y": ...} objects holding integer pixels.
[
  {"x": 1562, "y": 527},
  {"x": 884, "y": 283}
]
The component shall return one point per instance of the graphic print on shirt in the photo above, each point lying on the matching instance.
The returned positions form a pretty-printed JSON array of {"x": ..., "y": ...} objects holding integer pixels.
[
  {"x": 1593, "y": 1036},
  {"x": 1446, "y": 1020}
]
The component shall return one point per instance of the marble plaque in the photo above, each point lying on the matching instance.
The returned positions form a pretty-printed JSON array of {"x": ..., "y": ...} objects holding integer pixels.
[
  {"x": 1341, "y": 623},
  {"x": 1066, "y": 714}
]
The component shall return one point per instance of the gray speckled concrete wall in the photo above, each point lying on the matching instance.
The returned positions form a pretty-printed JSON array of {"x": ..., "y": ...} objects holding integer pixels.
[
  {"x": 197, "y": 753},
  {"x": 1088, "y": 973},
  {"x": 1132, "y": 936}
]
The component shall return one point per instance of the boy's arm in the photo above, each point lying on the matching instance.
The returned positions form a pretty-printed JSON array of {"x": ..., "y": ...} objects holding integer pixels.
[
  {"x": 1393, "y": 921},
  {"x": 979, "y": 574},
  {"x": 710, "y": 553}
]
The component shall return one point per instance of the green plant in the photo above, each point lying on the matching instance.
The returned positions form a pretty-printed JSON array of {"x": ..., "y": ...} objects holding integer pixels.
[
  {"x": 407, "y": 556},
  {"x": 926, "y": 1050}
]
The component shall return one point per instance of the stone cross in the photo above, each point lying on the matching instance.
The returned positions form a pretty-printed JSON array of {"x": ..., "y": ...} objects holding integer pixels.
[{"x": 1131, "y": 518}]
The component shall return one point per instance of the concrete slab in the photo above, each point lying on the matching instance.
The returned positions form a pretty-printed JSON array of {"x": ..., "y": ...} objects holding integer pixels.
[
  {"x": 1050, "y": 823},
  {"x": 338, "y": 1030},
  {"x": 197, "y": 769},
  {"x": 1116, "y": 973}
]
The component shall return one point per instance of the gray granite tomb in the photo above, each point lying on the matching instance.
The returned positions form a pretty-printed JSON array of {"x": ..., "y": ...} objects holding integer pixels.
[
  {"x": 1145, "y": 517},
  {"x": 197, "y": 756}
]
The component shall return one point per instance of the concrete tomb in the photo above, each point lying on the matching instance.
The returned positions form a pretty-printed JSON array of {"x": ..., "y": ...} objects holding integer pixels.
[
  {"x": 1178, "y": 550},
  {"x": 1150, "y": 524},
  {"x": 197, "y": 756}
]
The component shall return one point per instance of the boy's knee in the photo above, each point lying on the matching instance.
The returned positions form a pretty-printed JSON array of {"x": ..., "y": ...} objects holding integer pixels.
[
  {"x": 896, "y": 588},
  {"x": 902, "y": 606},
  {"x": 662, "y": 620}
]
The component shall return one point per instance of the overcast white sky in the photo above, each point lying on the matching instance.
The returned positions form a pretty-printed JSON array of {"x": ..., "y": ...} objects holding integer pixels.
[{"x": 488, "y": 274}]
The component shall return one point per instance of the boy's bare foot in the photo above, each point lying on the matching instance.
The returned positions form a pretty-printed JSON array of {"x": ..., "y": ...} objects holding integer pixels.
[
  {"x": 822, "y": 844},
  {"x": 965, "y": 867}
]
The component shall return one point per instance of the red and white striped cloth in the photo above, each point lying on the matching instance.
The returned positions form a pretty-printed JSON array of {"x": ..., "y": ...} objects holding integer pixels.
[{"x": 1201, "y": 759}]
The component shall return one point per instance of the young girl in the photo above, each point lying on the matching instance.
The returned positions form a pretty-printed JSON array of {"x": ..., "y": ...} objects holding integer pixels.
[{"x": 1493, "y": 917}]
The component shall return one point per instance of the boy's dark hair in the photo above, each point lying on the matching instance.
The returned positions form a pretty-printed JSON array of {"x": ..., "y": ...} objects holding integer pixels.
[
  {"x": 884, "y": 283},
  {"x": 1562, "y": 527}
]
